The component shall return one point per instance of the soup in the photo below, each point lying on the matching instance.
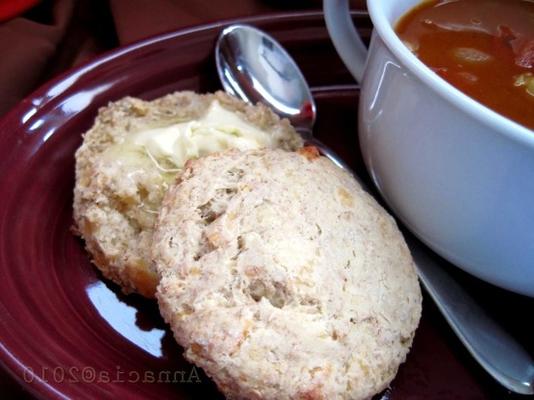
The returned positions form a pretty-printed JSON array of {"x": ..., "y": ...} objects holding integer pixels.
[{"x": 485, "y": 48}]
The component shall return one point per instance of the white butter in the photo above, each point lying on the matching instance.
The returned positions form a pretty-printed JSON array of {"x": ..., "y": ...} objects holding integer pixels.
[{"x": 219, "y": 129}]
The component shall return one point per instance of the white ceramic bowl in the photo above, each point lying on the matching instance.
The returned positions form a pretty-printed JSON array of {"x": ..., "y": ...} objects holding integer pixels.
[{"x": 457, "y": 174}]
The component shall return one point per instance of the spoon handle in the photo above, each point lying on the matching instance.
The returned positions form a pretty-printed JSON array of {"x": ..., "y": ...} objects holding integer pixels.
[{"x": 494, "y": 349}]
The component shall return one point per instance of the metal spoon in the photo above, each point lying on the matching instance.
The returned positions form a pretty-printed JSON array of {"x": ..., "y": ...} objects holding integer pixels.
[{"x": 255, "y": 67}]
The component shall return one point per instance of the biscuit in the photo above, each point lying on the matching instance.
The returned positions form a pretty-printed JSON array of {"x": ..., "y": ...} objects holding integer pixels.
[
  {"x": 118, "y": 192},
  {"x": 293, "y": 282}
]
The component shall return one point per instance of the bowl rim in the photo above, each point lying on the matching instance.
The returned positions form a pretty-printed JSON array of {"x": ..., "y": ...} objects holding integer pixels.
[{"x": 495, "y": 121}]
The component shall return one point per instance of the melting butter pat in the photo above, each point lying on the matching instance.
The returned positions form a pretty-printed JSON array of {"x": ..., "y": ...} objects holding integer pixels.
[{"x": 219, "y": 129}]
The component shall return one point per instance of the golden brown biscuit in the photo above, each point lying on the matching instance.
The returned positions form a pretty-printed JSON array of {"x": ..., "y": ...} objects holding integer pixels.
[{"x": 119, "y": 186}]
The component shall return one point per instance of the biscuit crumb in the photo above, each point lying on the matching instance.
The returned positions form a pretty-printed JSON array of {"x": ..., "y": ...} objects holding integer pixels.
[{"x": 309, "y": 152}]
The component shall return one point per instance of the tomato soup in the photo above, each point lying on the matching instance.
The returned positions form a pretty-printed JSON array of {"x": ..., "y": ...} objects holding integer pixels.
[{"x": 485, "y": 48}]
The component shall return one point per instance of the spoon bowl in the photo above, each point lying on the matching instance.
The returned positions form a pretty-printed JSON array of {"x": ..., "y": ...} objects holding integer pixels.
[{"x": 254, "y": 66}]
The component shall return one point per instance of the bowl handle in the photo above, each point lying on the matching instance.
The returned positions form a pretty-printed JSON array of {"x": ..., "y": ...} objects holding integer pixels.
[{"x": 346, "y": 40}]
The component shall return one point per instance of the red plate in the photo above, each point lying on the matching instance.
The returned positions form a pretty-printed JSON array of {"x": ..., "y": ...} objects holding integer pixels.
[{"x": 67, "y": 333}]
